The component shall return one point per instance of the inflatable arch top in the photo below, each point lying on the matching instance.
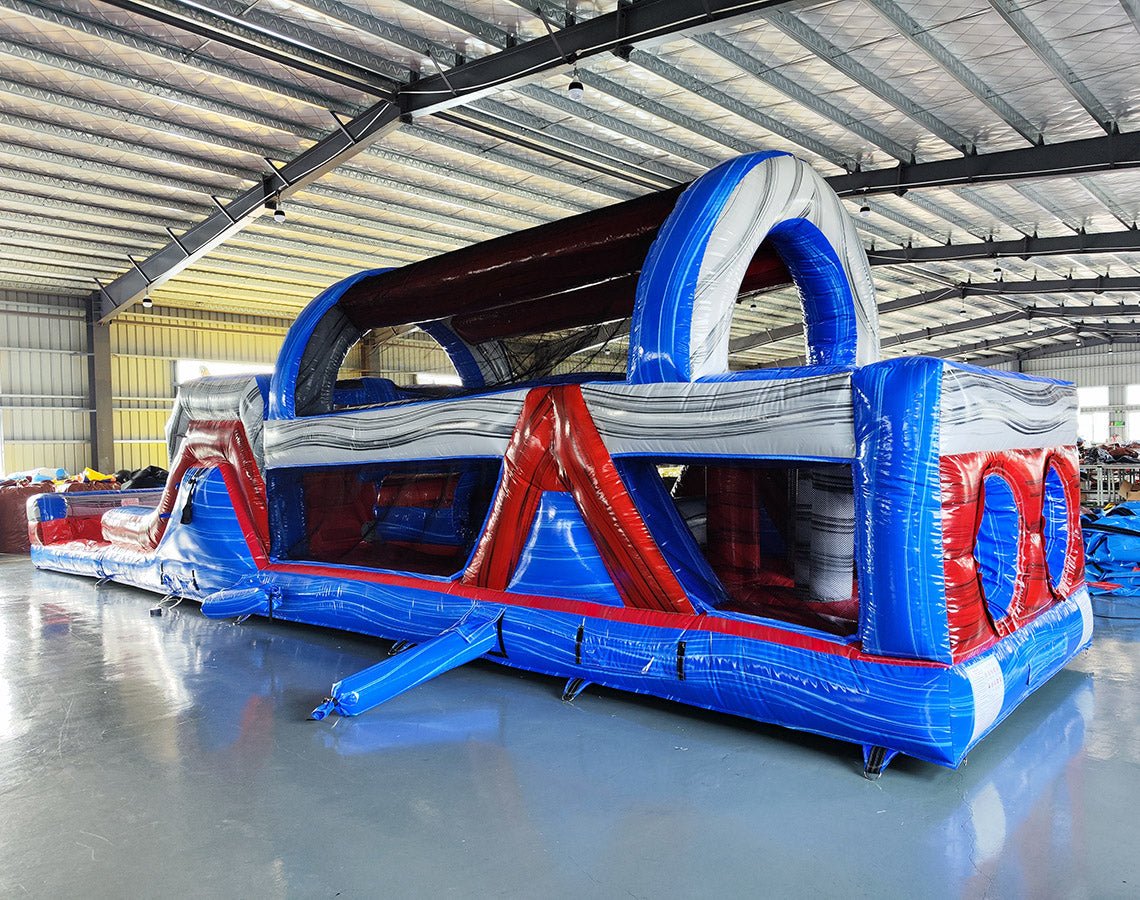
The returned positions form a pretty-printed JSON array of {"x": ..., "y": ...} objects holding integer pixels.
[{"x": 881, "y": 551}]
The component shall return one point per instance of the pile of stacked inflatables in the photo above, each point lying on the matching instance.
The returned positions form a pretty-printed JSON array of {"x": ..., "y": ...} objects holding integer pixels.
[
  {"x": 15, "y": 490},
  {"x": 14, "y": 496},
  {"x": 1112, "y": 559},
  {"x": 1124, "y": 454}
]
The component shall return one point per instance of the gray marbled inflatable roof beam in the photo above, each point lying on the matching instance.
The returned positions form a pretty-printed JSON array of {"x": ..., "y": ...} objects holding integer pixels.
[
  {"x": 438, "y": 429},
  {"x": 798, "y": 417},
  {"x": 801, "y": 417},
  {"x": 989, "y": 411}
]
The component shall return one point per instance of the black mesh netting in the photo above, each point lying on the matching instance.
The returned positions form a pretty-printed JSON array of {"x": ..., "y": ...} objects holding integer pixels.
[{"x": 596, "y": 352}]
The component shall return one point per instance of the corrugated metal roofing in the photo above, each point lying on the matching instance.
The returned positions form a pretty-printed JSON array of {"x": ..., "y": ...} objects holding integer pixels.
[{"x": 117, "y": 127}]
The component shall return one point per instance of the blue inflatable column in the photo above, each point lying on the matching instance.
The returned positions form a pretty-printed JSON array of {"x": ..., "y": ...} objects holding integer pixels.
[{"x": 898, "y": 509}]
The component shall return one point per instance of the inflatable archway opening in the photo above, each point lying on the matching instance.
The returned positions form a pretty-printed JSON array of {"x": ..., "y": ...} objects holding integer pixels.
[
  {"x": 692, "y": 276},
  {"x": 886, "y": 552}
]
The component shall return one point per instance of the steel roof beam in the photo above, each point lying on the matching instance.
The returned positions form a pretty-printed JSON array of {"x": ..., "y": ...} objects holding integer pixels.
[
  {"x": 462, "y": 84},
  {"x": 94, "y": 241},
  {"x": 1053, "y": 349},
  {"x": 87, "y": 166},
  {"x": 1016, "y": 19},
  {"x": 992, "y": 209},
  {"x": 498, "y": 37},
  {"x": 142, "y": 44},
  {"x": 964, "y": 350},
  {"x": 725, "y": 101},
  {"x": 181, "y": 96},
  {"x": 566, "y": 104},
  {"x": 75, "y": 134},
  {"x": 150, "y": 86},
  {"x": 331, "y": 193},
  {"x": 76, "y": 21},
  {"x": 954, "y": 218},
  {"x": 501, "y": 38},
  {"x": 921, "y": 37},
  {"x": 89, "y": 212},
  {"x": 997, "y": 212},
  {"x": 447, "y": 56},
  {"x": 607, "y": 158},
  {"x": 987, "y": 289},
  {"x": 1105, "y": 153},
  {"x": 480, "y": 152},
  {"x": 307, "y": 253},
  {"x": 921, "y": 336},
  {"x": 245, "y": 177},
  {"x": 1128, "y": 220},
  {"x": 926, "y": 334},
  {"x": 914, "y": 226},
  {"x": 89, "y": 256},
  {"x": 263, "y": 151},
  {"x": 1035, "y": 195},
  {"x": 228, "y": 30},
  {"x": 1026, "y": 248}
]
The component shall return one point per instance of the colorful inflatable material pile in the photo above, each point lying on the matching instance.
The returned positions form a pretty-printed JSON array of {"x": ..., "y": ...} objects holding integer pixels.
[
  {"x": 1112, "y": 554},
  {"x": 886, "y": 552},
  {"x": 16, "y": 490}
]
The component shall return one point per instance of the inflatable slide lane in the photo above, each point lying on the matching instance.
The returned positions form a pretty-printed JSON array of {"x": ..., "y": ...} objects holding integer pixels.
[{"x": 887, "y": 552}]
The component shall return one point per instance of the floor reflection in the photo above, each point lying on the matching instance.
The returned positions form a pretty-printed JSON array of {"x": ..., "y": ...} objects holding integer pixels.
[{"x": 193, "y": 733}]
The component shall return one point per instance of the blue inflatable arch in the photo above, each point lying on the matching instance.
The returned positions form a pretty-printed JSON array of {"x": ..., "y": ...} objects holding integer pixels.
[
  {"x": 692, "y": 275},
  {"x": 305, "y": 374}
]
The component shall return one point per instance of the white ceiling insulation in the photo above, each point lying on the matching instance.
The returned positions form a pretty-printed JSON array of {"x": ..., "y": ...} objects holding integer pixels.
[{"x": 117, "y": 127}]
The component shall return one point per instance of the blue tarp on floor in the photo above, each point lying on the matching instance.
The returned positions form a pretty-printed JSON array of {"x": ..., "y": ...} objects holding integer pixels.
[{"x": 1112, "y": 560}]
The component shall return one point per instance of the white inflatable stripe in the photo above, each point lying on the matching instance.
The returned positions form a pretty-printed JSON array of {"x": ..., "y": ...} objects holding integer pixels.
[
  {"x": 988, "y": 687},
  {"x": 793, "y": 417},
  {"x": 1085, "y": 605}
]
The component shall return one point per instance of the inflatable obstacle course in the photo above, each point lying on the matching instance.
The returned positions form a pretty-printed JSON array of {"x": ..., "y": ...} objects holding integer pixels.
[{"x": 887, "y": 552}]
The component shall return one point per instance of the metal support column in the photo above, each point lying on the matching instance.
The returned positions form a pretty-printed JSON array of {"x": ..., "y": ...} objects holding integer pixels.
[{"x": 99, "y": 392}]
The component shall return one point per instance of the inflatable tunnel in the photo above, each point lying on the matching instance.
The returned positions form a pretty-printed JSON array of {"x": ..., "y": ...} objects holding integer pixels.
[{"x": 886, "y": 552}]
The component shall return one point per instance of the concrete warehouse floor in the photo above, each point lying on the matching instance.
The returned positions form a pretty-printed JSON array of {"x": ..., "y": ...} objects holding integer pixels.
[{"x": 146, "y": 756}]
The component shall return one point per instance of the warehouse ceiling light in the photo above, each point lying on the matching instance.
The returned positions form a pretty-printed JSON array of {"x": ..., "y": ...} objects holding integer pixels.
[{"x": 576, "y": 89}]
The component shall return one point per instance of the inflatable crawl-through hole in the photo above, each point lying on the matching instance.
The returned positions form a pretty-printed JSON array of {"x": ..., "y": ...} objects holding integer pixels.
[
  {"x": 1055, "y": 526},
  {"x": 996, "y": 544}
]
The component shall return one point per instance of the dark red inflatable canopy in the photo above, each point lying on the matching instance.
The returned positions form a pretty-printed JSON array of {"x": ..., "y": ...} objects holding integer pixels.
[{"x": 574, "y": 272}]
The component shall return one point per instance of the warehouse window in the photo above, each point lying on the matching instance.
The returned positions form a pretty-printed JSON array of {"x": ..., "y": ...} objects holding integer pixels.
[
  {"x": 191, "y": 369},
  {"x": 1092, "y": 397},
  {"x": 1093, "y": 420},
  {"x": 1093, "y": 426},
  {"x": 1132, "y": 412}
]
